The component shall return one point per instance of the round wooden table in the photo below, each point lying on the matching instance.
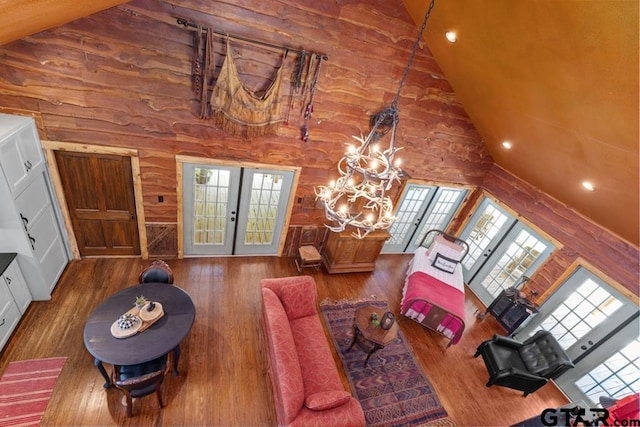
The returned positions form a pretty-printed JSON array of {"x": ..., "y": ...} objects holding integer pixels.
[
  {"x": 374, "y": 337},
  {"x": 157, "y": 340}
]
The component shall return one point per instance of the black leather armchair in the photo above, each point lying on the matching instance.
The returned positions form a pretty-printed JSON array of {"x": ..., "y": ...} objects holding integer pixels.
[{"x": 524, "y": 366}]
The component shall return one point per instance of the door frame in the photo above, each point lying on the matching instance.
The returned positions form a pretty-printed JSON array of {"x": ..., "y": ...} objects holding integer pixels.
[
  {"x": 51, "y": 146},
  {"x": 181, "y": 159}
]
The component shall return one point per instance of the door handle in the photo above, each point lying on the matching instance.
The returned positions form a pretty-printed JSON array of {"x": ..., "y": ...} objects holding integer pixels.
[
  {"x": 7, "y": 279},
  {"x": 233, "y": 218},
  {"x": 26, "y": 166},
  {"x": 33, "y": 241},
  {"x": 25, "y": 221}
]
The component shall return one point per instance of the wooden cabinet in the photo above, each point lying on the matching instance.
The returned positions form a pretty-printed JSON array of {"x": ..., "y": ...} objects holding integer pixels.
[
  {"x": 29, "y": 215},
  {"x": 511, "y": 308},
  {"x": 343, "y": 253},
  {"x": 14, "y": 295}
]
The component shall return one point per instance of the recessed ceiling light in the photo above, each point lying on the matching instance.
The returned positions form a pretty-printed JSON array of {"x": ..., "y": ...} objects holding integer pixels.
[
  {"x": 507, "y": 145},
  {"x": 589, "y": 186},
  {"x": 451, "y": 36}
]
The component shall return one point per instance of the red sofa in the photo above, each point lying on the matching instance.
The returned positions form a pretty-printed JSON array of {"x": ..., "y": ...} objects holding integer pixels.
[{"x": 307, "y": 389}]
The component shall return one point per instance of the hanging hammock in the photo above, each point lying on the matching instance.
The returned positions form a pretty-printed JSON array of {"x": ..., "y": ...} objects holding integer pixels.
[{"x": 240, "y": 111}]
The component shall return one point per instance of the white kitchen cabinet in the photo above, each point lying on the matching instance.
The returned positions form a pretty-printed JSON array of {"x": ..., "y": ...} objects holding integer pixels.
[
  {"x": 20, "y": 151},
  {"x": 29, "y": 220},
  {"x": 17, "y": 286}
]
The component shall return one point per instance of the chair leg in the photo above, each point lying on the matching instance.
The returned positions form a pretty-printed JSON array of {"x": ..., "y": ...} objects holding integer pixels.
[
  {"x": 129, "y": 404},
  {"x": 159, "y": 394}
]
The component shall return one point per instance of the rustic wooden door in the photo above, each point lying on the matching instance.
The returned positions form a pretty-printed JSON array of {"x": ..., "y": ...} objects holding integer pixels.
[{"x": 98, "y": 189}]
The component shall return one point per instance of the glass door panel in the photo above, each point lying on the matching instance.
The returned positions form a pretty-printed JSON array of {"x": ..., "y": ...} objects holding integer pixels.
[
  {"x": 210, "y": 201},
  {"x": 421, "y": 209},
  {"x": 439, "y": 214},
  {"x": 581, "y": 313},
  {"x": 611, "y": 370},
  {"x": 414, "y": 202},
  {"x": 520, "y": 253},
  {"x": 262, "y": 211},
  {"x": 488, "y": 225}
]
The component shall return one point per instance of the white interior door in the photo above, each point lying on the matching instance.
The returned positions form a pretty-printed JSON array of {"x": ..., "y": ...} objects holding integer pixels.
[{"x": 234, "y": 211}]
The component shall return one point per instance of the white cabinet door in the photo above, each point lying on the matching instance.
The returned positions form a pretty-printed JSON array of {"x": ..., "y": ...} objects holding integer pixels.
[
  {"x": 42, "y": 230},
  {"x": 12, "y": 276},
  {"x": 9, "y": 317},
  {"x": 21, "y": 155}
]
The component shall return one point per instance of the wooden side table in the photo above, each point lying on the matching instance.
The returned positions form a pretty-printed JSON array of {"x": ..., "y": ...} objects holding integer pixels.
[{"x": 373, "y": 336}]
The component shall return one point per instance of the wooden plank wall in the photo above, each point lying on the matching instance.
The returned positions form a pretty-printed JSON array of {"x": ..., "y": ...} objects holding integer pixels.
[{"x": 123, "y": 77}]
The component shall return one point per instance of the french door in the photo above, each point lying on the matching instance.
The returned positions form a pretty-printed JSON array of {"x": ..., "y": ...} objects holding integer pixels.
[
  {"x": 421, "y": 209},
  {"x": 501, "y": 251},
  {"x": 587, "y": 317},
  {"x": 234, "y": 211}
]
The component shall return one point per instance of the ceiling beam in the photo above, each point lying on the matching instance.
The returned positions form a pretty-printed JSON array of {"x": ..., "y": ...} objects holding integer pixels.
[{"x": 25, "y": 17}]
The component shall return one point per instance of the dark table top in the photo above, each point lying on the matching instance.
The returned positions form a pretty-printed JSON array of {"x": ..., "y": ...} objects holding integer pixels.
[
  {"x": 6, "y": 259},
  {"x": 160, "y": 338}
]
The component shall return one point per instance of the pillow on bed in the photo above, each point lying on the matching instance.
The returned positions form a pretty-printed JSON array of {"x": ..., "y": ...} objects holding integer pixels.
[
  {"x": 442, "y": 246},
  {"x": 445, "y": 264}
]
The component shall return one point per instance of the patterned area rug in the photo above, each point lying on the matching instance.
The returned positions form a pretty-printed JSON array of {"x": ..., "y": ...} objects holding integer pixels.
[
  {"x": 392, "y": 388},
  {"x": 25, "y": 389}
]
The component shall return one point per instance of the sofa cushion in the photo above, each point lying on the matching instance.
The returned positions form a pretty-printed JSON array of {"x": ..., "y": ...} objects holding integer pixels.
[
  {"x": 285, "y": 366},
  {"x": 299, "y": 300},
  {"x": 319, "y": 371},
  {"x": 326, "y": 400}
]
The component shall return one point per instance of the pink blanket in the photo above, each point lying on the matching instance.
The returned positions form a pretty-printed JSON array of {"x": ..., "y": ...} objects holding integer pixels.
[{"x": 423, "y": 292}]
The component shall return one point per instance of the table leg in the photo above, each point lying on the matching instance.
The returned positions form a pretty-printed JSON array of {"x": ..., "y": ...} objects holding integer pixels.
[
  {"x": 356, "y": 332},
  {"x": 176, "y": 357},
  {"x": 100, "y": 367},
  {"x": 375, "y": 348}
]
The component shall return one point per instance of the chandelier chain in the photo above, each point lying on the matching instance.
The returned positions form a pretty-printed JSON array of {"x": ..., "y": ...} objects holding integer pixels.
[{"x": 394, "y": 104}]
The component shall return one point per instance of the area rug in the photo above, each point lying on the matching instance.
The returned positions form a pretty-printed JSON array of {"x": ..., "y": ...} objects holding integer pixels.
[
  {"x": 392, "y": 389},
  {"x": 25, "y": 389}
]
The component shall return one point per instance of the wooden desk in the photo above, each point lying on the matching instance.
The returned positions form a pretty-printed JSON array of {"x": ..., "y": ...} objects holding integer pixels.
[
  {"x": 375, "y": 338},
  {"x": 159, "y": 339}
]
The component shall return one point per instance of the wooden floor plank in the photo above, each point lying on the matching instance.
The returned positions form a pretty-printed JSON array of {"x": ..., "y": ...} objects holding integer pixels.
[{"x": 223, "y": 379}]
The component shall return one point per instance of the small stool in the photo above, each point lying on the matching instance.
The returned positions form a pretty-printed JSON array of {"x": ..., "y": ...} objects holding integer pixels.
[{"x": 308, "y": 256}]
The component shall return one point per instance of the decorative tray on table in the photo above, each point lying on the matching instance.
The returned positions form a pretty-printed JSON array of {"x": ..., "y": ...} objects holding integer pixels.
[{"x": 137, "y": 320}]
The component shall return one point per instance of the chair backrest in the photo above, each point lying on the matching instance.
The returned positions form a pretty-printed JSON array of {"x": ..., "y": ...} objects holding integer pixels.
[
  {"x": 544, "y": 356},
  {"x": 146, "y": 384},
  {"x": 158, "y": 272}
]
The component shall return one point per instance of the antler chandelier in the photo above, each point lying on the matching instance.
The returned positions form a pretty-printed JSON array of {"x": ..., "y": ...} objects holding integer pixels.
[{"x": 358, "y": 198}]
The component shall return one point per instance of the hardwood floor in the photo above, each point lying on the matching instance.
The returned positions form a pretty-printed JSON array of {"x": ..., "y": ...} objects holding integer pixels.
[{"x": 223, "y": 378}]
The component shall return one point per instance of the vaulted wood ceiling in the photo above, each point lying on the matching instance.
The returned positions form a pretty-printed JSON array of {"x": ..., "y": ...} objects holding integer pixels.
[{"x": 559, "y": 80}]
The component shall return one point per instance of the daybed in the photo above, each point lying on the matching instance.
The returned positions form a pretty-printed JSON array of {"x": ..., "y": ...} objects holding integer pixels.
[
  {"x": 307, "y": 389},
  {"x": 433, "y": 292}
]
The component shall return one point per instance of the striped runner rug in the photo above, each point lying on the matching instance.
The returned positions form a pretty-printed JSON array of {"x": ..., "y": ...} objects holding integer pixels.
[
  {"x": 25, "y": 389},
  {"x": 392, "y": 389}
]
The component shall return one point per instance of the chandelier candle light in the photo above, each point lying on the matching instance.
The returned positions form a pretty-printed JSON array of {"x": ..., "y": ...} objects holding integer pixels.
[{"x": 358, "y": 198}]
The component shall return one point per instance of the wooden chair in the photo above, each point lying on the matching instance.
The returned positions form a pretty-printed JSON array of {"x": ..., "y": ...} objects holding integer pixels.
[
  {"x": 308, "y": 256},
  {"x": 140, "y": 380},
  {"x": 158, "y": 272}
]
